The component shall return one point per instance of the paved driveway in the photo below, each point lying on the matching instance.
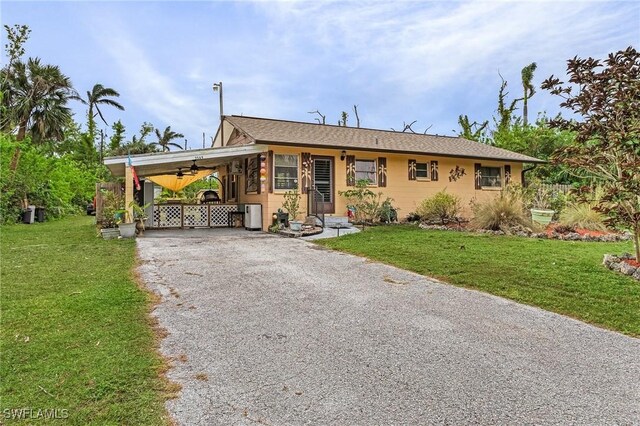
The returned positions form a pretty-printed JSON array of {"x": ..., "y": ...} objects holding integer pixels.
[{"x": 276, "y": 331}]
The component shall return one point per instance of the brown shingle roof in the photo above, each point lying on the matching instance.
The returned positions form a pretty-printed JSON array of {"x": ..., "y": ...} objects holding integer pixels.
[{"x": 264, "y": 130}]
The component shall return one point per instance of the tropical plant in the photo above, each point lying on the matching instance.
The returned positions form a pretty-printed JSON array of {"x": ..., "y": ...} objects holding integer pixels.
[
  {"x": 165, "y": 138},
  {"x": 291, "y": 203},
  {"x": 99, "y": 95},
  {"x": 38, "y": 100},
  {"x": 529, "y": 90},
  {"x": 367, "y": 206},
  {"x": 606, "y": 94},
  {"x": 442, "y": 207},
  {"x": 502, "y": 212}
]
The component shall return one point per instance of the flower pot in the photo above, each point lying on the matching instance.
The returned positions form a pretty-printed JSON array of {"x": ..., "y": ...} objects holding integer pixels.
[
  {"x": 110, "y": 233},
  {"x": 542, "y": 216},
  {"x": 295, "y": 225},
  {"x": 127, "y": 230}
]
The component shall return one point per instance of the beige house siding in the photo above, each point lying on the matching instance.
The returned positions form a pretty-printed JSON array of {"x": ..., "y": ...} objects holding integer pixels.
[{"x": 407, "y": 194}]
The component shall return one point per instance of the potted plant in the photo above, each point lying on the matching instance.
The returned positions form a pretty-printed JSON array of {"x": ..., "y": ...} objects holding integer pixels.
[
  {"x": 292, "y": 205},
  {"x": 139, "y": 216},
  {"x": 126, "y": 227},
  {"x": 540, "y": 211},
  {"x": 109, "y": 219}
]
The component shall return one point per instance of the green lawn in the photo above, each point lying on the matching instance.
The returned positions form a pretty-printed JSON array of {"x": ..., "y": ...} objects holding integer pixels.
[
  {"x": 75, "y": 329},
  {"x": 559, "y": 276}
]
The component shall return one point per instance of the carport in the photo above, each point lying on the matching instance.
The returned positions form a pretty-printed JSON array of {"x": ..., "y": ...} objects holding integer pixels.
[{"x": 225, "y": 161}]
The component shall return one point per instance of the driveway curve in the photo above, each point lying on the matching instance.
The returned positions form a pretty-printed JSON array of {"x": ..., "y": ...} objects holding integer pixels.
[{"x": 277, "y": 331}]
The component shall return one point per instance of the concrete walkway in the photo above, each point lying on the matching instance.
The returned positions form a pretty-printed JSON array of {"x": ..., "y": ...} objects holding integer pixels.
[{"x": 276, "y": 331}]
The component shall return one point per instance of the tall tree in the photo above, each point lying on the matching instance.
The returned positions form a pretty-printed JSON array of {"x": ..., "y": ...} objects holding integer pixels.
[
  {"x": 17, "y": 36},
  {"x": 118, "y": 135},
  {"x": 39, "y": 99},
  {"x": 165, "y": 138},
  {"x": 99, "y": 95},
  {"x": 529, "y": 90},
  {"x": 473, "y": 131},
  {"x": 606, "y": 94},
  {"x": 505, "y": 113}
]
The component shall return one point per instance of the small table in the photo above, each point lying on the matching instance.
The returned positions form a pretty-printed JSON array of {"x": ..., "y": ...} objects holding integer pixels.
[{"x": 232, "y": 215}]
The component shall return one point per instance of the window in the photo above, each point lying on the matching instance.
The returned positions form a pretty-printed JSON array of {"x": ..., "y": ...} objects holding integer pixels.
[
  {"x": 422, "y": 170},
  {"x": 366, "y": 170},
  {"x": 285, "y": 174},
  {"x": 490, "y": 177}
]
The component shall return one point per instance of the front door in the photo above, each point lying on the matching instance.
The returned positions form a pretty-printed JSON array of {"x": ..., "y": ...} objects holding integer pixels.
[{"x": 323, "y": 181}]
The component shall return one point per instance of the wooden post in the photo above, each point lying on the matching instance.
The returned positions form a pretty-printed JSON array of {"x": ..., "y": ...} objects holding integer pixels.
[{"x": 128, "y": 193}]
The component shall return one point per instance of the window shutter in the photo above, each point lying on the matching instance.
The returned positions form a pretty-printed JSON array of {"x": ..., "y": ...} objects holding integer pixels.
[
  {"x": 270, "y": 170},
  {"x": 382, "y": 172},
  {"x": 412, "y": 169},
  {"x": 477, "y": 175},
  {"x": 434, "y": 170},
  {"x": 258, "y": 174},
  {"x": 507, "y": 174},
  {"x": 246, "y": 174},
  {"x": 351, "y": 170},
  {"x": 306, "y": 172}
]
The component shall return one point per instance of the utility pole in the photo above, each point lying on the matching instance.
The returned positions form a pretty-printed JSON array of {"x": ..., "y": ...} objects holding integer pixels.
[
  {"x": 202, "y": 140},
  {"x": 101, "y": 145},
  {"x": 185, "y": 144},
  {"x": 217, "y": 87}
]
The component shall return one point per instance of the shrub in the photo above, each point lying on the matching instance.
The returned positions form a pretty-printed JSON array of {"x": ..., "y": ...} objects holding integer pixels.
[
  {"x": 441, "y": 207},
  {"x": 582, "y": 215},
  {"x": 367, "y": 205},
  {"x": 291, "y": 203},
  {"x": 500, "y": 213}
]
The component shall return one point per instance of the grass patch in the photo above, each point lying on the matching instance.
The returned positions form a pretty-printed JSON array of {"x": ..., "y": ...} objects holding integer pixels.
[
  {"x": 560, "y": 276},
  {"x": 76, "y": 334}
]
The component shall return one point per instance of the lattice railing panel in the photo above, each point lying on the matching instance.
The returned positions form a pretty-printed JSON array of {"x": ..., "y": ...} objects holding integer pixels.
[
  {"x": 220, "y": 214},
  {"x": 167, "y": 216},
  {"x": 197, "y": 215}
]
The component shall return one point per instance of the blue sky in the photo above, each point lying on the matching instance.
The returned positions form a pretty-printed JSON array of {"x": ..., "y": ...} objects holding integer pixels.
[{"x": 398, "y": 61}]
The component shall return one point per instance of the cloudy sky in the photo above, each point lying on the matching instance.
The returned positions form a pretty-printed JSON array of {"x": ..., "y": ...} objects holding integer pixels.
[{"x": 398, "y": 61}]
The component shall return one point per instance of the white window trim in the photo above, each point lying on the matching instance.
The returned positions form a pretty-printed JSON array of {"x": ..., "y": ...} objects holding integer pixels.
[
  {"x": 494, "y": 188},
  {"x": 273, "y": 174},
  {"x": 424, "y": 179},
  {"x": 375, "y": 168}
]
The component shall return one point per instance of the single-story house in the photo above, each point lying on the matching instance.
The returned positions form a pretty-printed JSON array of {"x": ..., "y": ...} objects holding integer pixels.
[{"x": 257, "y": 160}]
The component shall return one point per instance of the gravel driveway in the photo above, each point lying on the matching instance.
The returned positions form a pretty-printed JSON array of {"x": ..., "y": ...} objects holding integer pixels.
[{"x": 277, "y": 331}]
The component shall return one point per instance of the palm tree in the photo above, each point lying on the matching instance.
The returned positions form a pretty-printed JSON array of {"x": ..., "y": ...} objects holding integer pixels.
[
  {"x": 39, "y": 95},
  {"x": 164, "y": 139},
  {"x": 100, "y": 95},
  {"x": 529, "y": 90}
]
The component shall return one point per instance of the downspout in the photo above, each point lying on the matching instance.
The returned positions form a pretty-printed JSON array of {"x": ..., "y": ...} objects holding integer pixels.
[{"x": 522, "y": 175}]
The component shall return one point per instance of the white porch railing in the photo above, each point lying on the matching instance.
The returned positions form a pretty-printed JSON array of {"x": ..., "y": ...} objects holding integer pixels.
[{"x": 192, "y": 215}]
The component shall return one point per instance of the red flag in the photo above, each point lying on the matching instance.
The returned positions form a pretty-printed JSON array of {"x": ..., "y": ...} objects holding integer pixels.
[{"x": 135, "y": 176}]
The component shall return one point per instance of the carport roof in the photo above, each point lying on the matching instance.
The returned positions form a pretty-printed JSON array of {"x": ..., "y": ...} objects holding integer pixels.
[{"x": 168, "y": 162}]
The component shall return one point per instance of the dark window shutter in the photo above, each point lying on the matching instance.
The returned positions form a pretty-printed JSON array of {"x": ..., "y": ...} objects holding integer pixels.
[
  {"x": 306, "y": 172},
  {"x": 412, "y": 169},
  {"x": 477, "y": 174},
  {"x": 351, "y": 170},
  {"x": 258, "y": 162},
  {"x": 270, "y": 170},
  {"x": 507, "y": 174},
  {"x": 434, "y": 170},
  {"x": 382, "y": 172}
]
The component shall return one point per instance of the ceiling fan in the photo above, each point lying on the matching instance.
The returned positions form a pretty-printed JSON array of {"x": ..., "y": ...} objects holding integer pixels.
[{"x": 195, "y": 168}]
